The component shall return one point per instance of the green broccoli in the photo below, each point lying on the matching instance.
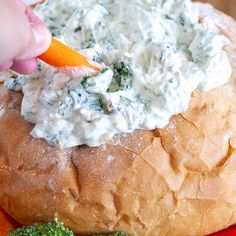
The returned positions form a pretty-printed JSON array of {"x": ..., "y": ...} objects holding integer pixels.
[{"x": 52, "y": 229}]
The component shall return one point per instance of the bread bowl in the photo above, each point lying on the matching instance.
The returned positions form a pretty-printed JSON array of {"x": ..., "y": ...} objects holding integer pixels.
[
  {"x": 225, "y": 6},
  {"x": 178, "y": 180}
]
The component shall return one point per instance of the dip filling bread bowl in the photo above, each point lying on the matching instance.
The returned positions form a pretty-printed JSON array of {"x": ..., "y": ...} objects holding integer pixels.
[
  {"x": 156, "y": 55},
  {"x": 178, "y": 180}
]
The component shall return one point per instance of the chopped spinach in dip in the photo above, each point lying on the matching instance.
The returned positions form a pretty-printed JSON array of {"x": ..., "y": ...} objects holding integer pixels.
[{"x": 156, "y": 53}]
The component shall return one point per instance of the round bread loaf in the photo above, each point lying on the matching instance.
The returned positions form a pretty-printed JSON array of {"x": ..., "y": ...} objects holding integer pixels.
[
  {"x": 179, "y": 180},
  {"x": 228, "y": 6}
]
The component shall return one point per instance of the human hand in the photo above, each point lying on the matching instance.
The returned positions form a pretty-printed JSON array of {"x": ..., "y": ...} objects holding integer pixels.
[{"x": 23, "y": 37}]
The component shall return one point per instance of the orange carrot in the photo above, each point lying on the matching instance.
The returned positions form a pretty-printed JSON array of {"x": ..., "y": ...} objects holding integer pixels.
[
  {"x": 60, "y": 55},
  {"x": 6, "y": 224}
]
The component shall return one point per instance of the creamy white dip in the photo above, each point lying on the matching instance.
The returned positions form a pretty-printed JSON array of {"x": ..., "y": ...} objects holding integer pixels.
[{"x": 157, "y": 53}]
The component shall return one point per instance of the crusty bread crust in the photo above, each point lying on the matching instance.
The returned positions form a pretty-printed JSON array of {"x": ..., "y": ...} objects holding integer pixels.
[
  {"x": 227, "y": 6},
  {"x": 179, "y": 180}
]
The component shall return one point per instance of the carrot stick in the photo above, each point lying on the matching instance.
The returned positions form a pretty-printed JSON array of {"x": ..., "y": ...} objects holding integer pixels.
[
  {"x": 6, "y": 224},
  {"x": 60, "y": 55}
]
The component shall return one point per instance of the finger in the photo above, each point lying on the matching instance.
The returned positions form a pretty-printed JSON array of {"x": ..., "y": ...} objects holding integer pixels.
[
  {"x": 28, "y": 12},
  {"x": 6, "y": 66},
  {"x": 39, "y": 43},
  {"x": 41, "y": 33},
  {"x": 32, "y": 17},
  {"x": 25, "y": 66},
  {"x": 19, "y": 4},
  {"x": 41, "y": 36}
]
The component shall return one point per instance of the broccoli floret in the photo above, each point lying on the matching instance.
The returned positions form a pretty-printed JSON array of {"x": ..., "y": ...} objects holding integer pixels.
[{"x": 50, "y": 229}]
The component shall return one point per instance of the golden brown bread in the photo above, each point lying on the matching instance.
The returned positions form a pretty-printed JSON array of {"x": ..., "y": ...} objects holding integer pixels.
[
  {"x": 227, "y": 6},
  {"x": 176, "y": 181}
]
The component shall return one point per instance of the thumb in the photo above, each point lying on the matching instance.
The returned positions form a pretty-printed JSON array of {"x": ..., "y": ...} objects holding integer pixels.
[{"x": 39, "y": 42}]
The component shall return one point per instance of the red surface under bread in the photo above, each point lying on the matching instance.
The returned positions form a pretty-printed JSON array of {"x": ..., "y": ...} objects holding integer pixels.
[
  {"x": 228, "y": 232},
  {"x": 6, "y": 224}
]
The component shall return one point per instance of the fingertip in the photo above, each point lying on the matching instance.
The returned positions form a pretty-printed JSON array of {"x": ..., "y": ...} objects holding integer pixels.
[
  {"x": 40, "y": 42},
  {"x": 27, "y": 66},
  {"x": 42, "y": 36}
]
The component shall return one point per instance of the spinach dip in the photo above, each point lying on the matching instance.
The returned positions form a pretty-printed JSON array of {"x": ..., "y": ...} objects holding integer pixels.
[{"x": 155, "y": 54}]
